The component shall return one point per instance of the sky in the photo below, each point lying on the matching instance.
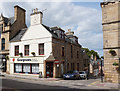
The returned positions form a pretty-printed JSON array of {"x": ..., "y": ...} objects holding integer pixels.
[{"x": 84, "y": 18}]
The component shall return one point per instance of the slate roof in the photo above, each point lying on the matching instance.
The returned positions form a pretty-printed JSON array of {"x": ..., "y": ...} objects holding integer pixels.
[
  {"x": 19, "y": 35},
  {"x": 10, "y": 20}
]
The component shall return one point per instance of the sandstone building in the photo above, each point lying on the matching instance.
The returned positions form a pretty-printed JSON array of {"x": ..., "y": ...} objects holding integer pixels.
[
  {"x": 111, "y": 40},
  {"x": 9, "y": 28}
]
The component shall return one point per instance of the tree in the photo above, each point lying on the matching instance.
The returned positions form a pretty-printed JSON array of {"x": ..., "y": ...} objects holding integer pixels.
[{"x": 91, "y": 52}]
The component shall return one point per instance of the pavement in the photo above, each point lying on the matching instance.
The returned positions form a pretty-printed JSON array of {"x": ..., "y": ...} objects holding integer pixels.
[
  {"x": 88, "y": 83},
  {"x": 30, "y": 77}
]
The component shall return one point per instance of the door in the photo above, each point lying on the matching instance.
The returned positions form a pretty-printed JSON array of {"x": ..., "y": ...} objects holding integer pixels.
[{"x": 49, "y": 69}]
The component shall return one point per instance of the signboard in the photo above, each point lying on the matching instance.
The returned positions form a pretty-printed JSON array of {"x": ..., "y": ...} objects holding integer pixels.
[
  {"x": 56, "y": 61},
  {"x": 24, "y": 60}
]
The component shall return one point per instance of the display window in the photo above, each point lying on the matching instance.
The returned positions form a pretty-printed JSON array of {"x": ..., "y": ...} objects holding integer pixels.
[{"x": 26, "y": 68}]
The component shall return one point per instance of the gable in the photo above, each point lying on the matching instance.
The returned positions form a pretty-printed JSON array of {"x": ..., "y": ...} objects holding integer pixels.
[{"x": 36, "y": 32}]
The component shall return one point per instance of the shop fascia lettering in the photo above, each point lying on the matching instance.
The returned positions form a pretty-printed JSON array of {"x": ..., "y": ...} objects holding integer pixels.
[{"x": 35, "y": 60}]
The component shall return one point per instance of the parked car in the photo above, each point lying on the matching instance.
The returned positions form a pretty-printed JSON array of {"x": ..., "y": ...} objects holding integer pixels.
[
  {"x": 71, "y": 75},
  {"x": 82, "y": 74}
]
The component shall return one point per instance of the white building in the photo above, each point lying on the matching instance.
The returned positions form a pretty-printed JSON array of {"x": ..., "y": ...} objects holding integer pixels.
[{"x": 35, "y": 36}]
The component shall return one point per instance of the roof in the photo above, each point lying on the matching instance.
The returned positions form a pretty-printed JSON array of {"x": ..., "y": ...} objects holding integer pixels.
[
  {"x": 51, "y": 57},
  {"x": 19, "y": 35},
  {"x": 21, "y": 32},
  {"x": 9, "y": 20}
]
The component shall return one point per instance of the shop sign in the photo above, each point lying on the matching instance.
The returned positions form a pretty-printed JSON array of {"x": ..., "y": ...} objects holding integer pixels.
[
  {"x": 33, "y": 60},
  {"x": 56, "y": 61},
  {"x": 23, "y": 60}
]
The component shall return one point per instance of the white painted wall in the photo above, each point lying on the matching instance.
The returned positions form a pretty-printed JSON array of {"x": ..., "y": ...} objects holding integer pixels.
[
  {"x": 36, "y": 32},
  {"x": 33, "y": 36}
]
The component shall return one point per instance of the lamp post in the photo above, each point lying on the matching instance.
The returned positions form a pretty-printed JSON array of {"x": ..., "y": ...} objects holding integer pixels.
[{"x": 101, "y": 72}]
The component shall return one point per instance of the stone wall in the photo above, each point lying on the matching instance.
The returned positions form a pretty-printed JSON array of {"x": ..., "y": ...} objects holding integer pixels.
[
  {"x": 57, "y": 52},
  {"x": 111, "y": 39}
]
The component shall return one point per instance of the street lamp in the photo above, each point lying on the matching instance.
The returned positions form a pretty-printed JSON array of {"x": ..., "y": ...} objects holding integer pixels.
[{"x": 101, "y": 72}]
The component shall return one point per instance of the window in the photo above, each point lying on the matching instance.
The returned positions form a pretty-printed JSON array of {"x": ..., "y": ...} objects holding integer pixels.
[
  {"x": 68, "y": 66},
  {"x": 26, "y": 68},
  {"x": 35, "y": 68},
  {"x": 16, "y": 50},
  {"x": 18, "y": 68},
  {"x": 3, "y": 44},
  {"x": 77, "y": 66},
  {"x": 73, "y": 66},
  {"x": 77, "y": 54},
  {"x": 63, "y": 52},
  {"x": 41, "y": 49},
  {"x": 71, "y": 51},
  {"x": 26, "y": 50}
]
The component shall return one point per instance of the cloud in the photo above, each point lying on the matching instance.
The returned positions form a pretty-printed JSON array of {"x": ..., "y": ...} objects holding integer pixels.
[{"x": 84, "y": 21}]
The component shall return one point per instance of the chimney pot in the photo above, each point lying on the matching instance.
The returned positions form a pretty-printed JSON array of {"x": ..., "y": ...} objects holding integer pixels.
[
  {"x": 36, "y": 10},
  {"x": 69, "y": 30}
]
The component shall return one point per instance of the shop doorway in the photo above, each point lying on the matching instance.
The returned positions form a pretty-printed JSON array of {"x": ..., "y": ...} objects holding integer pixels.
[{"x": 49, "y": 69}]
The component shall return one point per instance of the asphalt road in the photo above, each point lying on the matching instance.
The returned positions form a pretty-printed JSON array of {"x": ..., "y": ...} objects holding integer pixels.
[{"x": 30, "y": 85}]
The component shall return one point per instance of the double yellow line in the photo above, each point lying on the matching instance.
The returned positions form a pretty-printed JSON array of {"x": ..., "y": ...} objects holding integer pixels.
[{"x": 93, "y": 83}]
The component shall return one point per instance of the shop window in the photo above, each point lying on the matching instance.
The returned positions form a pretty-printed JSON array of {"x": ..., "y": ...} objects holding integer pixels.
[
  {"x": 18, "y": 68},
  {"x": 41, "y": 49},
  {"x": 77, "y": 66},
  {"x": 26, "y": 50},
  {"x": 63, "y": 52},
  {"x": 3, "y": 44},
  {"x": 26, "y": 68},
  {"x": 35, "y": 68},
  {"x": 16, "y": 50}
]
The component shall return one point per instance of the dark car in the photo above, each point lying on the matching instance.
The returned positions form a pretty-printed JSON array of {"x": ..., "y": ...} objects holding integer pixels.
[{"x": 71, "y": 75}]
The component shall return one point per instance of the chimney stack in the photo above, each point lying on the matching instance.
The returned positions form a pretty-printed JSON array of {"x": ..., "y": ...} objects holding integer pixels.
[
  {"x": 19, "y": 14},
  {"x": 36, "y": 17},
  {"x": 70, "y": 32}
]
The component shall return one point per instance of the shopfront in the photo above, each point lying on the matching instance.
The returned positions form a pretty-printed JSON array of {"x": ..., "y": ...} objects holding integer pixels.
[{"x": 32, "y": 65}]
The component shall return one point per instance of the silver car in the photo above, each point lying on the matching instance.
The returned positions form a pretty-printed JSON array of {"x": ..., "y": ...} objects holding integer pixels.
[{"x": 83, "y": 74}]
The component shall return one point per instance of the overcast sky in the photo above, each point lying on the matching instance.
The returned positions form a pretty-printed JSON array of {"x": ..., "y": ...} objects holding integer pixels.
[{"x": 84, "y": 18}]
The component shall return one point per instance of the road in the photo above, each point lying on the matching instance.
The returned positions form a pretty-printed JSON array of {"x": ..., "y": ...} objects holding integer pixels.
[{"x": 15, "y": 84}]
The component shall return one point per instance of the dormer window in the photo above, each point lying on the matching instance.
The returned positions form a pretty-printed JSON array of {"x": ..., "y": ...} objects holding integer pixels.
[{"x": 61, "y": 34}]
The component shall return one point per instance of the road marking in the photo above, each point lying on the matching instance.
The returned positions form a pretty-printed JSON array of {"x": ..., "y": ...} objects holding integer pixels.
[{"x": 93, "y": 83}]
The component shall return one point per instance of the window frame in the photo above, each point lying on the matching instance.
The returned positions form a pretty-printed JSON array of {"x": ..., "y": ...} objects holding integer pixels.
[
  {"x": 39, "y": 49},
  {"x": 16, "y": 51},
  {"x": 63, "y": 51},
  {"x": 25, "y": 50},
  {"x": 3, "y": 44}
]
